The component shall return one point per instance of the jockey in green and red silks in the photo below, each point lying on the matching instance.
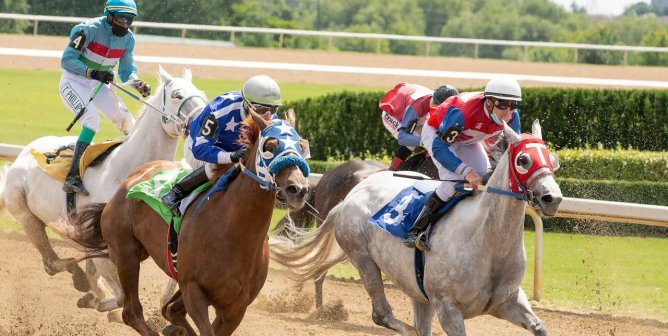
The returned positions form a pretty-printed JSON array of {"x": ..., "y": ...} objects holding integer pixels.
[{"x": 96, "y": 46}]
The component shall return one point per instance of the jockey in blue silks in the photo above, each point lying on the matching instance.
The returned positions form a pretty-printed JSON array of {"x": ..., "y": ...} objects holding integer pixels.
[
  {"x": 454, "y": 134},
  {"x": 95, "y": 47},
  {"x": 213, "y": 134}
]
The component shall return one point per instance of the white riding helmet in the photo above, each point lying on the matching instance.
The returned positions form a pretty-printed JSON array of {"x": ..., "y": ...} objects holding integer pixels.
[
  {"x": 263, "y": 90},
  {"x": 504, "y": 88}
]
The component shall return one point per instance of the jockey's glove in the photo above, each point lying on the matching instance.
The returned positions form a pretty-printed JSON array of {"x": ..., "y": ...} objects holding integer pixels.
[
  {"x": 105, "y": 77},
  {"x": 238, "y": 155},
  {"x": 142, "y": 87}
]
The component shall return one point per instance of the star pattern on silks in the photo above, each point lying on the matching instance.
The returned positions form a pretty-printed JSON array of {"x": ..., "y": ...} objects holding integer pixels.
[
  {"x": 290, "y": 143},
  {"x": 231, "y": 125},
  {"x": 285, "y": 128}
]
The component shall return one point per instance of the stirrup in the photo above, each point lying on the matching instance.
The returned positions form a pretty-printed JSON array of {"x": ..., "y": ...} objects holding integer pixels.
[
  {"x": 172, "y": 201},
  {"x": 422, "y": 243},
  {"x": 74, "y": 184}
]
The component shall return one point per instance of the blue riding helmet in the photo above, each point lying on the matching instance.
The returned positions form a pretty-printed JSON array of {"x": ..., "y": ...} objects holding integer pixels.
[{"x": 120, "y": 6}]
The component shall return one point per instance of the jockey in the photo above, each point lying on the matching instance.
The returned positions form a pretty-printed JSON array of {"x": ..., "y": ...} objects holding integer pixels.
[
  {"x": 454, "y": 137},
  {"x": 215, "y": 131},
  {"x": 405, "y": 109},
  {"x": 95, "y": 47}
]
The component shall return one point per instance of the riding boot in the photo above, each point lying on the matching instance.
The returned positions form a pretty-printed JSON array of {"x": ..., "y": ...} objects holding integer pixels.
[
  {"x": 183, "y": 188},
  {"x": 422, "y": 223},
  {"x": 73, "y": 182},
  {"x": 401, "y": 154}
]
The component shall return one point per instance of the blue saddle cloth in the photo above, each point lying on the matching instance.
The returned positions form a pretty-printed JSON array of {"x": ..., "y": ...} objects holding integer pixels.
[{"x": 400, "y": 213}]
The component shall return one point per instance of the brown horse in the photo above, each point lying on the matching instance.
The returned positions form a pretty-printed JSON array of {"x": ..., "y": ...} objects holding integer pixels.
[{"x": 223, "y": 251}]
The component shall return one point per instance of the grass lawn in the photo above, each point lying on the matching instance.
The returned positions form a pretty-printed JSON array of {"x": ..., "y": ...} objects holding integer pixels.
[{"x": 614, "y": 275}]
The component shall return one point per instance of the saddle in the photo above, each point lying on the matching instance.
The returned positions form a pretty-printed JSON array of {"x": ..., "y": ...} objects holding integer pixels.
[{"x": 57, "y": 162}]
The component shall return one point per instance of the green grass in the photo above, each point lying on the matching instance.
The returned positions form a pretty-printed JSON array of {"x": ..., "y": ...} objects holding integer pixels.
[{"x": 613, "y": 275}]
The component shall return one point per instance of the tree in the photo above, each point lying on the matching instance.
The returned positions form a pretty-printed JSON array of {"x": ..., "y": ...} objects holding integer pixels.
[{"x": 14, "y": 6}]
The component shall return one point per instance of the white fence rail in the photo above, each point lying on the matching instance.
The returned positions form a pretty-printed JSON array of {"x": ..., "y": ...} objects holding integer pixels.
[
  {"x": 631, "y": 213},
  {"x": 36, "y": 19}
]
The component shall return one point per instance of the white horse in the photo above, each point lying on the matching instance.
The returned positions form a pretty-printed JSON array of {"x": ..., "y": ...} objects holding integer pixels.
[
  {"x": 477, "y": 260},
  {"x": 36, "y": 200}
]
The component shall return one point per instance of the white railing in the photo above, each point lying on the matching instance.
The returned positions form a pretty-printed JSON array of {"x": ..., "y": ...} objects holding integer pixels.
[
  {"x": 428, "y": 40},
  {"x": 576, "y": 208}
]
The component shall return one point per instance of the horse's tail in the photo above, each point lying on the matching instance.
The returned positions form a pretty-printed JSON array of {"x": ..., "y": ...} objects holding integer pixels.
[
  {"x": 3, "y": 182},
  {"x": 86, "y": 228},
  {"x": 317, "y": 252}
]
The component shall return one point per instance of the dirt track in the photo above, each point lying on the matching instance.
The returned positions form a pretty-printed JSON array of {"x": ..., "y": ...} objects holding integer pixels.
[
  {"x": 326, "y": 58},
  {"x": 33, "y": 303}
]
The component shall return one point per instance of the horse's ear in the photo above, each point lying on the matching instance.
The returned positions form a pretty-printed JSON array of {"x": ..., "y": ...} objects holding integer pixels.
[
  {"x": 187, "y": 74},
  {"x": 510, "y": 134},
  {"x": 259, "y": 121},
  {"x": 536, "y": 129},
  {"x": 290, "y": 117},
  {"x": 164, "y": 75}
]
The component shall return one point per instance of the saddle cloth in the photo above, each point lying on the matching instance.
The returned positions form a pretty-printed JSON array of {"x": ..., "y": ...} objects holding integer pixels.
[
  {"x": 397, "y": 216},
  {"x": 57, "y": 163}
]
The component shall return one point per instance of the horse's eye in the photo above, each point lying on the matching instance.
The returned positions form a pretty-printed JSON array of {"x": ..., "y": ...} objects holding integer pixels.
[
  {"x": 177, "y": 94},
  {"x": 523, "y": 163},
  {"x": 270, "y": 146}
]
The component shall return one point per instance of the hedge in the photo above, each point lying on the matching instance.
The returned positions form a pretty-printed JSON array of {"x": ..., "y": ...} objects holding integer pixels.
[
  {"x": 619, "y": 165},
  {"x": 347, "y": 124}
]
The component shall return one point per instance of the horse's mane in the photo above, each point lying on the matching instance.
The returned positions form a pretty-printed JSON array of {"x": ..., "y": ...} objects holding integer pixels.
[{"x": 250, "y": 131}]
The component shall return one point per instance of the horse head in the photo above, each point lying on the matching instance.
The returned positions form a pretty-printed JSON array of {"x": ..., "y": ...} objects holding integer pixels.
[
  {"x": 278, "y": 154},
  {"x": 531, "y": 169},
  {"x": 179, "y": 99}
]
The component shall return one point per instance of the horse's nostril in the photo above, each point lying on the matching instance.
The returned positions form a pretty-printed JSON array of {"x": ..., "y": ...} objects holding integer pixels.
[{"x": 547, "y": 199}]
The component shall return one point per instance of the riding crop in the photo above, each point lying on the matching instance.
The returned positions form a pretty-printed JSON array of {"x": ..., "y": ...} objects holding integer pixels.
[{"x": 83, "y": 109}]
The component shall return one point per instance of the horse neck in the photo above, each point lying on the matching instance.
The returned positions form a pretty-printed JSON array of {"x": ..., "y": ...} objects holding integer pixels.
[
  {"x": 147, "y": 141},
  {"x": 503, "y": 220}
]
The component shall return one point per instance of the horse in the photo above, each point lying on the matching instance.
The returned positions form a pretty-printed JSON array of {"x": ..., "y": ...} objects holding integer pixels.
[
  {"x": 477, "y": 260},
  {"x": 223, "y": 247},
  {"x": 36, "y": 200}
]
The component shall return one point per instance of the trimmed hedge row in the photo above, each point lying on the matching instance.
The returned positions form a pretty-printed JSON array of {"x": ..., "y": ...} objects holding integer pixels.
[
  {"x": 588, "y": 164},
  {"x": 347, "y": 124}
]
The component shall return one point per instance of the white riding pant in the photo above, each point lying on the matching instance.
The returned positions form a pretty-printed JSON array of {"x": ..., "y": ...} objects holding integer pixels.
[
  {"x": 473, "y": 155},
  {"x": 75, "y": 91}
]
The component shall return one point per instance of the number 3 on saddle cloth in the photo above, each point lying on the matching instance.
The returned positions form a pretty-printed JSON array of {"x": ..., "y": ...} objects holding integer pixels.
[{"x": 400, "y": 213}]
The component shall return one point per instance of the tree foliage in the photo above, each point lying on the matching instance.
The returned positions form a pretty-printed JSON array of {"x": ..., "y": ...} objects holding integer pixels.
[{"x": 529, "y": 20}]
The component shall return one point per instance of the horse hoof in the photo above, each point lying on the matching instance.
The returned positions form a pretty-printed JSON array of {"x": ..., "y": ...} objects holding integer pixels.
[
  {"x": 115, "y": 316},
  {"x": 80, "y": 281},
  {"x": 108, "y": 305},
  {"x": 172, "y": 330},
  {"x": 88, "y": 301}
]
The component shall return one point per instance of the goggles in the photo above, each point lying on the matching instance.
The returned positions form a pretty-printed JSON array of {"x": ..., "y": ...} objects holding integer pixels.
[
  {"x": 122, "y": 19},
  {"x": 504, "y": 104},
  {"x": 262, "y": 109}
]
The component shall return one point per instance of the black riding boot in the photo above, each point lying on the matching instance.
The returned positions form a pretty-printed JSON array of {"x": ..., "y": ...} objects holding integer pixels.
[
  {"x": 422, "y": 222},
  {"x": 183, "y": 188},
  {"x": 73, "y": 182}
]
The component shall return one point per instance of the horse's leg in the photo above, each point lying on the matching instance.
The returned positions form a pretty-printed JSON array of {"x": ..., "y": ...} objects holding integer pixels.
[
  {"x": 174, "y": 311},
  {"x": 92, "y": 298},
  {"x": 318, "y": 290},
  {"x": 227, "y": 326},
  {"x": 112, "y": 296},
  {"x": 127, "y": 260},
  {"x": 518, "y": 311},
  {"x": 373, "y": 283},
  {"x": 451, "y": 318},
  {"x": 424, "y": 315},
  {"x": 197, "y": 306},
  {"x": 35, "y": 229}
]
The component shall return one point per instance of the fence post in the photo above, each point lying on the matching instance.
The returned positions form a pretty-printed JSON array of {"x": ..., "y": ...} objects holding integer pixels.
[
  {"x": 378, "y": 46},
  {"x": 575, "y": 55},
  {"x": 426, "y": 53},
  {"x": 329, "y": 43},
  {"x": 232, "y": 37},
  {"x": 183, "y": 33},
  {"x": 475, "y": 50},
  {"x": 626, "y": 57},
  {"x": 526, "y": 53},
  {"x": 280, "y": 40},
  {"x": 34, "y": 27},
  {"x": 538, "y": 255}
]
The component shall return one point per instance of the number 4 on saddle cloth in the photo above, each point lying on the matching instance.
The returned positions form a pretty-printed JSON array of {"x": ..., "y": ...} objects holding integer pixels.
[{"x": 398, "y": 215}]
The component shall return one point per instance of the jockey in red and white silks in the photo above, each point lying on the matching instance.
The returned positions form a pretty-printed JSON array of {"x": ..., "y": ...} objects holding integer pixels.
[
  {"x": 404, "y": 111},
  {"x": 453, "y": 136}
]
